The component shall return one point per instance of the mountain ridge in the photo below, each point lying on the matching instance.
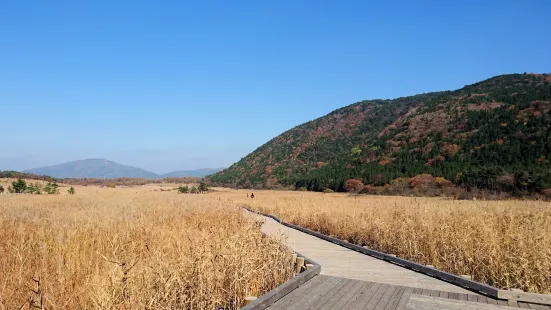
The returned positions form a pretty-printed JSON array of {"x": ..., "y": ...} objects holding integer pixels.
[
  {"x": 493, "y": 134},
  {"x": 107, "y": 169}
]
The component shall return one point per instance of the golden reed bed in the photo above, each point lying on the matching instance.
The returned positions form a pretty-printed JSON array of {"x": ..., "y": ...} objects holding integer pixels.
[
  {"x": 503, "y": 243},
  {"x": 132, "y": 248}
]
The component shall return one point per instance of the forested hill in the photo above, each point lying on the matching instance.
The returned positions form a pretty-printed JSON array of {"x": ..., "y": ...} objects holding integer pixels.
[{"x": 494, "y": 134}]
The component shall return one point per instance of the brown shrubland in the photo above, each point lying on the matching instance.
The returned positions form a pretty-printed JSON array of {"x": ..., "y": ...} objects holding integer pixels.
[
  {"x": 132, "y": 248},
  {"x": 503, "y": 243}
]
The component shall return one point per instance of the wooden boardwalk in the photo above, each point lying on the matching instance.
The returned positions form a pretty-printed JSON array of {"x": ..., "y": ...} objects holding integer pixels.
[
  {"x": 328, "y": 293},
  {"x": 351, "y": 280}
]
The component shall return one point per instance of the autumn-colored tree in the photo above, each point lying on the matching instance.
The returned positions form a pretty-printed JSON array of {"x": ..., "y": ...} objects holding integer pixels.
[{"x": 352, "y": 185}]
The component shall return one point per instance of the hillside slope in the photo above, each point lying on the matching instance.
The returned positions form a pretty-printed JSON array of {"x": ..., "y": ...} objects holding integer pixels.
[
  {"x": 93, "y": 168},
  {"x": 494, "y": 134}
]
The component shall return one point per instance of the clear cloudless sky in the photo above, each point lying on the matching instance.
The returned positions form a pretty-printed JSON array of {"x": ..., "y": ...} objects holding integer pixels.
[{"x": 169, "y": 85}]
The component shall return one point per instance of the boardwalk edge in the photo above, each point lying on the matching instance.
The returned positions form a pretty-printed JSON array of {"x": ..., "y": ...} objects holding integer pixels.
[
  {"x": 279, "y": 292},
  {"x": 435, "y": 273}
]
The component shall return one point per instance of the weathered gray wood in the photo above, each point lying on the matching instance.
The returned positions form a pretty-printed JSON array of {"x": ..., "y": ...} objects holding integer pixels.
[
  {"x": 381, "y": 305},
  {"x": 339, "y": 304},
  {"x": 512, "y": 303},
  {"x": 523, "y": 305},
  {"x": 421, "y": 302},
  {"x": 288, "y": 299},
  {"x": 544, "y": 299},
  {"x": 535, "y": 306},
  {"x": 463, "y": 296},
  {"x": 329, "y": 295},
  {"x": 491, "y": 301},
  {"x": 444, "y": 294},
  {"x": 362, "y": 297},
  {"x": 502, "y": 302},
  {"x": 426, "y": 292},
  {"x": 418, "y": 290},
  {"x": 472, "y": 298},
  {"x": 453, "y": 296},
  {"x": 316, "y": 293},
  {"x": 375, "y": 297},
  {"x": 405, "y": 298},
  {"x": 434, "y": 293},
  {"x": 272, "y": 296},
  {"x": 350, "y": 286},
  {"x": 395, "y": 298},
  {"x": 482, "y": 299}
]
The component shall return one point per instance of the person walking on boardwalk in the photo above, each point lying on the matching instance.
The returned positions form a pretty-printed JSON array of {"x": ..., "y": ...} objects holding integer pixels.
[{"x": 252, "y": 195}]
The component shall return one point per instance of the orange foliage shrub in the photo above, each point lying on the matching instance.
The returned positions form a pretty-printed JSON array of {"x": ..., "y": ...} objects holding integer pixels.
[{"x": 352, "y": 185}]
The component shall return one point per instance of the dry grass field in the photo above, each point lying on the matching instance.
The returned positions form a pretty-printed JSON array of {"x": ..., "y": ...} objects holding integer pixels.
[
  {"x": 503, "y": 243},
  {"x": 148, "y": 247},
  {"x": 132, "y": 248}
]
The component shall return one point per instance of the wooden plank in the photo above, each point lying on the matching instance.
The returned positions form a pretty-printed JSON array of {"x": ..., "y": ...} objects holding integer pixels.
[
  {"x": 491, "y": 301},
  {"x": 523, "y": 305},
  {"x": 421, "y": 302},
  {"x": 363, "y": 296},
  {"x": 544, "y": 299},
  {"x": 463, "y": 296},
  {"x": 315, "y": 293},
  {"x": 434, "y": 293},
  {"x": 453, "y": 296},
  {"x": 381, "y": 305},
  {"x": 376, "y": 298},
  {"x": 443, "y": 294},
  {"x": 535, "y": 306},
  {"x": 512, "y": 303},
  {"x": 346, "y": 297},
  {"x": 333, "y": 292},
  {"x": 472, "y": 298},
  {"x": 404, "y": 299},
  {"x": 482, "y": 299},
  {"x": 502, "y": 302},
  {"x": 395, "y": 298},
  {"x": 418, "y": 290},
  {"x": 284, "y": 302},
  {"x": 426, "y": 292},
  {"x": 351, "y": 285}
]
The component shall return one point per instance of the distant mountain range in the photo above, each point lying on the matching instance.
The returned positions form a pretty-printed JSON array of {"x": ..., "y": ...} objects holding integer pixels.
[{"x": 106, "y": 169}]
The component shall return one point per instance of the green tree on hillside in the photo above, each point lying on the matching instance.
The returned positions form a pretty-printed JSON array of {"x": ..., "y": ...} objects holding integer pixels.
[
  {"x": 19, "y": 186},
  {"x": 51, "y": 188},
  {"x": 183, "y": 189},
  {"x": 34, "y": 188},
  {"x": 203, "y": 187}
]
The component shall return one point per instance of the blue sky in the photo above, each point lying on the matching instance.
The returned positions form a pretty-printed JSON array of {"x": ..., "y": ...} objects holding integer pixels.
[{"x": 169, "y": 85}]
